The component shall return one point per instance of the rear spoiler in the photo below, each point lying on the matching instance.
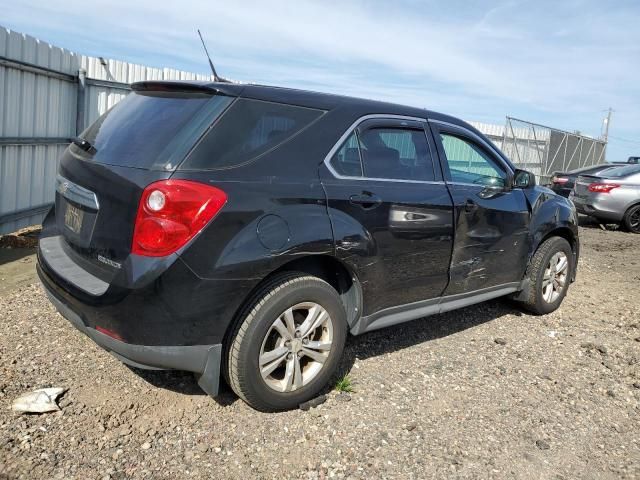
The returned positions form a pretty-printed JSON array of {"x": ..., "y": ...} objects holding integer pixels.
[{"x": 186, "y": 86}]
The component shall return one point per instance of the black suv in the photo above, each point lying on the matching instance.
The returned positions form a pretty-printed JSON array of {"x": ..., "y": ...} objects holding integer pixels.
[{"x": 246, "y": 230}]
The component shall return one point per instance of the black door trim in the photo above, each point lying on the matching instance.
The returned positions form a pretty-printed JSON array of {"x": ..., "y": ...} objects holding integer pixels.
[{"x": 412, "y": 311}]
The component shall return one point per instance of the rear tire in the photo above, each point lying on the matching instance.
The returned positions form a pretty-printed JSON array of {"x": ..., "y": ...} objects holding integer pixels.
[
  {"x": 275, "y": 360},
  {"x": 549, "y": 275},
  {"x": 631, "y": 220}
]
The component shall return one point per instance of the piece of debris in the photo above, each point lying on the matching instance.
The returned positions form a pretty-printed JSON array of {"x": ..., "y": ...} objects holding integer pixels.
[
  {"x": 42, "y": 400},
  {"x": 552, "y": 333},
  {"x": 500, "y": 341},
  {"x": 542, "y": 445},
  {"x": 602, "y": 349},
  {"x": 314, "y": 402}
]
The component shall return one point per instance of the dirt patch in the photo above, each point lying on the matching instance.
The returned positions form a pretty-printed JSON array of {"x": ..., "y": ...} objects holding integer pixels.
[
  {"x": 18, "y": 259},
  {"x": 17, "y": 269},
  {"x": 483, "y": 392},
  {"x": 24, "y": 238}
]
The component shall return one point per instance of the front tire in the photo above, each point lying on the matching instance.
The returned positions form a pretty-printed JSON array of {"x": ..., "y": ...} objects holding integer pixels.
[
  {"x": 288, "y": 342},
  {"x": 549, "y": 275}
]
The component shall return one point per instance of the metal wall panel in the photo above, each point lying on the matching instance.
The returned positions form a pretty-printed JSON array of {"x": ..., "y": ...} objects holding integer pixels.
[
  {"x": 36, "y": 106},
  {"x": 32, "y": 105}
]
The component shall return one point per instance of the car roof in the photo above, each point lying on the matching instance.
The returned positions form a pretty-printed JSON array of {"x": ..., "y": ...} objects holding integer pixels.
[
  {"x": 305, "y": 98},
  {"x": 351, "y": 107}
]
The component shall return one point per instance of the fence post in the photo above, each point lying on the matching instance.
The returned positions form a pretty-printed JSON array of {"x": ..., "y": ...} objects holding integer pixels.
[{"x": 81, "y": 98}]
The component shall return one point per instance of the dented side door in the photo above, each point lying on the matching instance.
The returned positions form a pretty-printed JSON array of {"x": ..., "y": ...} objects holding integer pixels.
[{"x": 492, "y": 236}]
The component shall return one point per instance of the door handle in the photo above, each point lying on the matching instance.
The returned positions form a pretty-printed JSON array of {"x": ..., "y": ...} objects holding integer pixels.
[
  {"x": 470, "y": 206},
  {"x": 365, "y": 200}
]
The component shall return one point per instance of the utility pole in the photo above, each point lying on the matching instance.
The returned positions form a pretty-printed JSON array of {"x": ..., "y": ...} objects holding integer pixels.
[
  {"x": 607, "y": 121},
  {"x": 605, "y": 134}
]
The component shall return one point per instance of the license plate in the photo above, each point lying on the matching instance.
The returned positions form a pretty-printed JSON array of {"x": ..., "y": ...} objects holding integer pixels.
[{"x": 73, "y": 218}]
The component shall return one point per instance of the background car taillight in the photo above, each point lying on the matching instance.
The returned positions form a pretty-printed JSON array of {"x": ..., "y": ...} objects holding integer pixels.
[
  {"x": 172, "y": 212},
  {"x": 559, "y": 180},
  {"x": 602, "y": 187}
]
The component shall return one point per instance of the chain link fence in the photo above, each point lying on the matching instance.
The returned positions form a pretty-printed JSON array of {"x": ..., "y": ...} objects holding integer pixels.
[{"x": 543, "y": 150}]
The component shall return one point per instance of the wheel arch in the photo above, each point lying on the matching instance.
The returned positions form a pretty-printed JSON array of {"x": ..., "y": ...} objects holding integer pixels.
[
  {"x": 327, "y": 267},
  {"x": 634, "y": 204},
  {"x": 563, "y": 232},
  {"x": 571, "y": 236},
  {"x": 337, "y": 274}
]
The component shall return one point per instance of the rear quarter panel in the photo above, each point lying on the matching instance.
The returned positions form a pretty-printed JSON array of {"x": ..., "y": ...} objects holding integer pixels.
[
  {"x": 264, "y": 224},
  {"x": 630, "y": 191}
]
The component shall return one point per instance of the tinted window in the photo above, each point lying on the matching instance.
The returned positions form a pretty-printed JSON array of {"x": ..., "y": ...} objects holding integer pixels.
[
  {"x": 468, "y": 163},
  {"x": 622, "y": 171},
  {"x": 151, "y": 129},
  {"x": 248, "y": 129},
  {"x": 394, "y": 153},
  {"x": 346, "y": 161}
]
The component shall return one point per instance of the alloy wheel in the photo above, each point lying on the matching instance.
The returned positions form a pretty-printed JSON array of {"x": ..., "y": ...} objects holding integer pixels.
[
  {"x": 555, "y": 275},
  {"x": 296, "y": 347}
]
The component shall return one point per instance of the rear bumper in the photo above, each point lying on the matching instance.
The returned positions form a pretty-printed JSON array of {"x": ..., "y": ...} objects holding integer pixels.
[
  {"x": 602, "y": 208},
  {"x": 203, "y": 360}
]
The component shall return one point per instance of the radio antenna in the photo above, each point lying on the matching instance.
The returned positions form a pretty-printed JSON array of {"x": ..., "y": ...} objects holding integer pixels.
[{"x": 216, "y": 78}]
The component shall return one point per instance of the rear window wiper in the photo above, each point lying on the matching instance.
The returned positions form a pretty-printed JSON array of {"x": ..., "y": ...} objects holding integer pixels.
[{"x": 84, "y": 144}]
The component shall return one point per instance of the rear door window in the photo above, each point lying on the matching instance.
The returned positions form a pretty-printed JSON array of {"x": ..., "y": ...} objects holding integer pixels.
[
  {"x": 249, "y": 129},
  {"x": 396, "y": 153},
  {"x": 346, "y": 161},
  {"x": 151, "y": 130}
]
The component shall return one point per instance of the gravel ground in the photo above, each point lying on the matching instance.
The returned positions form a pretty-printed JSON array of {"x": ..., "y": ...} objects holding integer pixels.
[{"x": 484, "y": 392}]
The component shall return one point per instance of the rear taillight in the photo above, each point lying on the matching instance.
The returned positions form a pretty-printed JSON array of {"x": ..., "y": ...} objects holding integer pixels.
[
  {"x": 602, "y": 187},
  {"x": 559, "y": 180},
  {"x": 172, "y": 212}
]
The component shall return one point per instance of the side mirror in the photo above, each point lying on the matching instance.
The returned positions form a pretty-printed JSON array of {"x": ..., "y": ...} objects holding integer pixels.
[{"x": 523, "y": 179}]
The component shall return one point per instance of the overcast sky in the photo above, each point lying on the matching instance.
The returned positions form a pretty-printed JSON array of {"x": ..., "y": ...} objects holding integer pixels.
[{"x": 560, "y": 63}]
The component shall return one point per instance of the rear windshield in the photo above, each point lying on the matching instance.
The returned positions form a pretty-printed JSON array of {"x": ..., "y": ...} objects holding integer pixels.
[
  {"x": 247, "y": 130},
  {"x": 622, "y": 171},
  {"x": 151, "y": 129},
  {"x": 591, "y": 168}
]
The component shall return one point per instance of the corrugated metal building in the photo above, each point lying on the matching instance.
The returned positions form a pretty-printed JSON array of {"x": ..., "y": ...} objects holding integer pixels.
[{"x": 48, "y": 95}]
